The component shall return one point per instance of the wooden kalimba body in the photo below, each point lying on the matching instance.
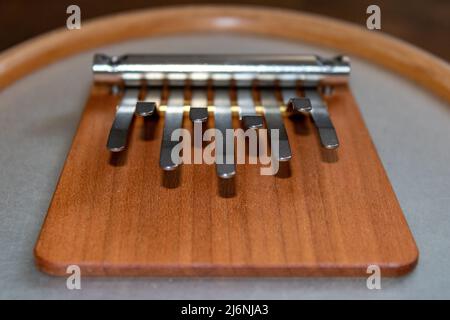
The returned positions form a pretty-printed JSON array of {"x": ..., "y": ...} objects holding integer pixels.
[{"x": 131, "y": 208}]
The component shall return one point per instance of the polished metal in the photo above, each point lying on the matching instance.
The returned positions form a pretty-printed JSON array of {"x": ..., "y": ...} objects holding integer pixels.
[
  {"x": 225, "y": 164},
  {"x": 151, "y": 101},
  {"x": 198, "y": 111},
  {"x": 243, "y": 69},
  {"x": 247, "y": 112},
  {"x": 145, "y": 108},
  {"x": 314, "y": 74},
  {"x": 299, "y": 104},
  {"x": 118, "y": 134},
  {"x": 293, "y": 102},
  {"x": 173, "y": 120},
  {"x": 321, "y": 118},
  {"x": 274, "y": 121}
]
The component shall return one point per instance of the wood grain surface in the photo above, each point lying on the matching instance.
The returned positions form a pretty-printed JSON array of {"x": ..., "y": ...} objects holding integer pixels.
[{"x": 326, "y": 213}]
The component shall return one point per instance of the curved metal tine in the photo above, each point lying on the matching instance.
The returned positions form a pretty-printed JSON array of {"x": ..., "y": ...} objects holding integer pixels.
[
  {"x": 293, "y": 102},
  {"x": 152, "y": 100},
  {"x": 173, "y": 120},
  {"x": 118, "y": 135},
  {"x": 274, "y": 121},
  {"x": 321, "y": 119},
  {"x": 225, "y": 166},
  {"x": 199, "y": 105},
  {"x": 247, "y": 112}
]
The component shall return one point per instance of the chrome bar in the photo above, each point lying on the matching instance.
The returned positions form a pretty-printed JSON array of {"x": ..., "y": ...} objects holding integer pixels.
[{"x": 266, "y": 69}]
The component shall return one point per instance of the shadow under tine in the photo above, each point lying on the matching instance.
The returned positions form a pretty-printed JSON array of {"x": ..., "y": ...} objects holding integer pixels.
[
  {"x": 227, "y": 187},
  {"x": 301, "y": 125},
  {"x": 149, "y": 127},
  {"x": 284, "y": 170},
  {"x": 118, "y": 159},
  {"x": 171, "y": 179},
  {"x": 329, "y": 155}
]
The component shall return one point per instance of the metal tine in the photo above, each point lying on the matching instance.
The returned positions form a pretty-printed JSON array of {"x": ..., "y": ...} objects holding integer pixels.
[
  {"x": 199, "y": 105},
  {"x": 223, "y": 120},
  {"x": 274, "y": 121},
  {"x": 293, "y": 102},
  {"x": 173, "y": 119},
  {"x": 152, "y": 100},
  {"x": 321, "y": 119},
  {"x": 118, "y": 135},
  {"x": 247, "y": 111}
]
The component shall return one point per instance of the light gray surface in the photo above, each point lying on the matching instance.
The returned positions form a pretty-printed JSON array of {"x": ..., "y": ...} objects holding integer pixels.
[{"x": 39, "y": 116}]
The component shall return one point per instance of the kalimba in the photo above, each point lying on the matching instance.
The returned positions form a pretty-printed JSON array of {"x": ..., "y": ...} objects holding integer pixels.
[
  {"x": 144, "y": 209},
  {"x": 127, "y": 204}
]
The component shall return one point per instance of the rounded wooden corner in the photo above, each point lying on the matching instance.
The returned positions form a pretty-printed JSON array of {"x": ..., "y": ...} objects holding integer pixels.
[
  {"x": 408, "y": 264},
  {"x": 48, "y": 264}
]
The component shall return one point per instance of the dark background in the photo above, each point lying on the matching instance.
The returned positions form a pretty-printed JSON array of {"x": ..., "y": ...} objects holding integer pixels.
[{"x": 423, "y": 23}]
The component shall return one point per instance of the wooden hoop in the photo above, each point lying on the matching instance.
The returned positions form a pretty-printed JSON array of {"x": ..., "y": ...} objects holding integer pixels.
[{"x": 401, "y": 57}]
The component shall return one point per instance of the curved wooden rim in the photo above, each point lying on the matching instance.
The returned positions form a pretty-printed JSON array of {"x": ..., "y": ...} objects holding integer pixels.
[{"x": 401, "y": 57}]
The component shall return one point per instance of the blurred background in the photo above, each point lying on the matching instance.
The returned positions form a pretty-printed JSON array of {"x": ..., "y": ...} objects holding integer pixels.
[{"x": 425, "y": 23}]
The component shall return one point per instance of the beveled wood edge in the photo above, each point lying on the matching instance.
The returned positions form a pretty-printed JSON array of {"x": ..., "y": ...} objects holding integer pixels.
[
  {"x": 59, "y": 268},
  {"x": 377, "y": 47}
]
